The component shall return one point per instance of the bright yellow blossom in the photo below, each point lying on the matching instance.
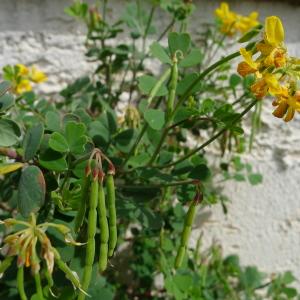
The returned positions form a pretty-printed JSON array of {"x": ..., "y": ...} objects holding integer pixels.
[
  {"x": 274, "y": 32},
  {"x": 287, "y": 105},
  {"x": 22, "y": 69},
  {"x": 276, "y": 73},
  {"x": 244, "y": 24},
  {"x": 227, "y": 17},
  {"x": 248, "y": 66},
  {"x": 267, "y": 84},
  {"x": 233, "y": 22},
  {"x": 37, "y": 76},
  {"x": 23, "y": 86}
]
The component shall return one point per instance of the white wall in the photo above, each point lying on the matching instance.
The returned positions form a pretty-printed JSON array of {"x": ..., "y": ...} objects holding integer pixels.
[{"x": 263, "y": 223}]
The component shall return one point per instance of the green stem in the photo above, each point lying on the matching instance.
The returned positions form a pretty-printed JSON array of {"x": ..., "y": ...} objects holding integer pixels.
[
  {"x": 166, "y": 30},
  {"x": 148, "y": 27},
  {"x": 187, "y": 94},
  {"x": 155, "y": 186},
  {"x": 153, "y": 93},
  {"x": 66, "y": 270},
  {"x": 202, "y": 76},
  {"x": 255, "y": 124},
  {"x": 191, "y": 153},
  {"x": 158, "y": 147},
  {"x": 38, "y": 286},
  {"x": 164, "y": 134},
  {"x": 20, "y": 283}
]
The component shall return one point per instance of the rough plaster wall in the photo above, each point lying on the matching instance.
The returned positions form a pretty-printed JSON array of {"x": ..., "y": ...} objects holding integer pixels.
[{"x": 263, "y": 223}]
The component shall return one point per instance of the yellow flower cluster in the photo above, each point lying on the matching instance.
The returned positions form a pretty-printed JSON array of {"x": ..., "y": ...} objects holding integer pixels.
[
  {"x": 232, "y": 22},
  {"x": 276, "y": 73},
  {"x": 22, "y": 77}
]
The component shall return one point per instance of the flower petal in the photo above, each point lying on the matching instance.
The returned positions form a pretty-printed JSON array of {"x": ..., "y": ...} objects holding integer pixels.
[{"x": 274, "y": 30}]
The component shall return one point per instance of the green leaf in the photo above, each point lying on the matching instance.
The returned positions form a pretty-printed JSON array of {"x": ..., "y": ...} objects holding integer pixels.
[
  {"x": 6, "y": 101},
  {"x": 75, "y": 136},
  {"x": 239, "y": 177},
  {"x": 185, "y": 84},
  {"x": 179, "y": 41},
  {"x": 200, "y": 172},
  {"x": 58, "y": 143},
  {"x": 99, "y": 132},
  {"x": 251, "y": 278},
  {"x": 249, "y": 35},
  {"x": 155, "y": 118},
  {"x": 159, "y": 52},
  {"x": 31, "y": 191},
  {"x": 53, "y": 160},
  {"x": 146, "y": 84},
  {"x": 4, "y": 87},
  {"x": 192, "y": 59},
  {"x": 288, "y": 278},
  {"x": 53, "y": 121},
  {"x": 290, "y": 292},
  {"x": 9, "y": 133},
  {"x": 183, "y": 113},
  {"x": 32, "y": 141},
  {"x": 207, "y": 106},
  {"x": 124, "y": 140},
  {"x": 234, "y": 80},
  {"x": 237, "y": 130},
  {"x": 255, "y": 178}
]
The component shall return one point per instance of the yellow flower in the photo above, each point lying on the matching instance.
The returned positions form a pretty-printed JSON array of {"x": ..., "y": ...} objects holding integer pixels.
[
  {"x": 274, "y": 32},
  {"x": 37, "y": 76},
  {"x": 245, "y": 23},
  {"x": 248, "y": 66},
  {"x": 286, "y": 104},
  {"x": 23, "y": 86},
  {"x": 272, "y": 47},
  {"x": 233, "y": 22},
  {"x": 23, "y": 70},
  {"x": 227, "y": 17},
  {"x": 267, "y": 84}
]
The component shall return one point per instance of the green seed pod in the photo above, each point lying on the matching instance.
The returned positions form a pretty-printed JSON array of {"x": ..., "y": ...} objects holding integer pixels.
[
  {"x": 104, "y": 231},
  {"x": 20, "y": 283},
  {"x": 111, "y": 197},
  {"x": 179, "y": 257},
  {"x": 90, "y": 247},
  {"x": 172, "y": 89},
  {"x": 5, "y": 264},
  {"x": 82, "y": 205},
  {"x": 38, "y": 285},
  {"x": 189, "y": 219}
]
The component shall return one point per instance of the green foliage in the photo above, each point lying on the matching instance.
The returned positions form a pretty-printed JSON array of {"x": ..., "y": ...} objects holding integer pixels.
[{"x": 47, "y": 148}]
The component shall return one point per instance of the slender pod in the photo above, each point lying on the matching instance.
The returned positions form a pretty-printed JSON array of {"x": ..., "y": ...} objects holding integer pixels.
[
  {"x": 38, "y": 285},
  {"x": 112, "y": 221},
  {"x": 92, "y": 225},
  {"x": 50, "y": 281},
  {"x": 172, "y": 88},
  {"x": 20, "y": 283},
  {"x": 71, "y": 275},
  {"x": 83, "y": 199},
  {"x": 104, "y": 231},
  {"x": 188, "y": 222},
  {"x": 5, "y": 264}
]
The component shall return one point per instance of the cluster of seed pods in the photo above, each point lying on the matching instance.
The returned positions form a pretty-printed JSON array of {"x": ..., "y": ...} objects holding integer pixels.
[{"x": 99, "y": 206}]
